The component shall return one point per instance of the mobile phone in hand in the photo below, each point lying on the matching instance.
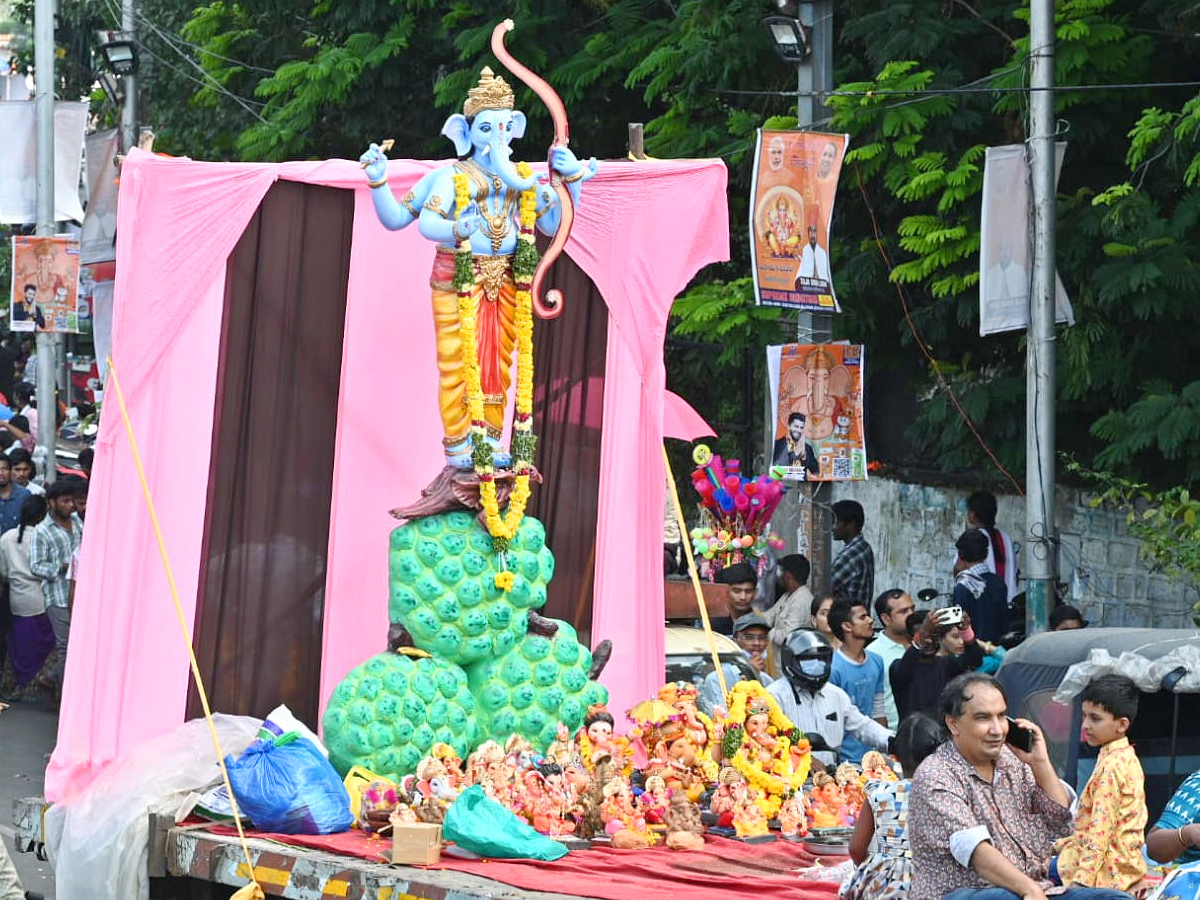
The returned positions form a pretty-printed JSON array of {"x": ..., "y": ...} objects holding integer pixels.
[
  {"x": 951, "y": 615},
  {"x": 1021, "y": 738}
]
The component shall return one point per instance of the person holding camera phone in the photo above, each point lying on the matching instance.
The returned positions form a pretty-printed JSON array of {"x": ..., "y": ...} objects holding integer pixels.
[
  {"x": 983, "y": 814},
  {"x": 943, "y": 646}
]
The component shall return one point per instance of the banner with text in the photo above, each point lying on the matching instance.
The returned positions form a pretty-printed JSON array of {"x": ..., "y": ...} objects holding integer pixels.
[
  {"x": 45, "y": 284},
  {"x": 817, "y": 411},
  {"x": 791, "y": 209}
]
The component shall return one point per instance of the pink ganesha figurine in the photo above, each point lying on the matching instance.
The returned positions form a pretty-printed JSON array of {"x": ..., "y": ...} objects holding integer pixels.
[
  {"x": 655, "y": 801},
  {"x": 544, "y": 802},
  {"x": 622, "y": 820},
  {"x": 793, "y": 816}
]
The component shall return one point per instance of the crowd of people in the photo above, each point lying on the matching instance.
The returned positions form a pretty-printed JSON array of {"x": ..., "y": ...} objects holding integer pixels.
[
  {"x": 41, "y": 527},
  {"x": 903, "y": 668},
  {"x": 980, "y": 812}
]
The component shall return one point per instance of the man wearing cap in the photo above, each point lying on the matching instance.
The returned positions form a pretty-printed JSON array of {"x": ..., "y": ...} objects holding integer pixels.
[
  {"x": 794, "y": 609},
  {"x": 749, "y": 633},
  {"x": 743, "y": 584}
]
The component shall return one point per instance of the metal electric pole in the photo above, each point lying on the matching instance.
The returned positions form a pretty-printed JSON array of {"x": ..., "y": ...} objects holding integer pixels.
[
  {"x": 43, "y": 60},
  {"x": 814, "y": 78},
  {"x": 1041, "y": 536},
  {"x": 129, "y": 111}
]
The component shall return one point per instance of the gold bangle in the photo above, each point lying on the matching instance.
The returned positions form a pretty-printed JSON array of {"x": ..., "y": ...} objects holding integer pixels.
[
  {"x": 571, "y": 179},
  {"x": 1179, "y": 834},
  {"x": 380, "y": 183}
]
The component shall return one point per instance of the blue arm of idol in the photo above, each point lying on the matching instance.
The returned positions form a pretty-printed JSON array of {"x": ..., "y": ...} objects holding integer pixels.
[
  {"x": 436, "y": 223},
  {"x": 568, "y": 165},
  {"x": 390, "y": 212}
]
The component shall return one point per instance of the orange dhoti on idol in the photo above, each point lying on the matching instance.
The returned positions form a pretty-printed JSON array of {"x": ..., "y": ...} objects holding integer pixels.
[{"x": 494, "y": 300}]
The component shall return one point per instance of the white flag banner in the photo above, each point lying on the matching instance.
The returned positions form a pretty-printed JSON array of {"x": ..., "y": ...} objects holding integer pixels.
[
  {"x": 14, "y": 87},
  {"x": 18, "y": 162},
  {"x": 1006, "y": 243},
  {"x": 102, "y": 316},
  {"x": 98, "y": 241}
]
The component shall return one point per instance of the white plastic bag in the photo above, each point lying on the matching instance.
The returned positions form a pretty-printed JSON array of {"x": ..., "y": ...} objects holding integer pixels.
[
  {"x": 1147, "y": 674},
  {"x": 280, "y": 721},
  {"x": 99, "y": 841}
]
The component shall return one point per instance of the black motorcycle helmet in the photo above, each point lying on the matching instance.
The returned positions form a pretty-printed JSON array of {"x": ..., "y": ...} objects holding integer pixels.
[{"x": 806, "y": 645}]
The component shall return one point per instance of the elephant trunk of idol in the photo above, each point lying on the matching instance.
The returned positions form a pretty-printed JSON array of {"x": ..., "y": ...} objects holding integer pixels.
[{"x": 503, "y": 166}]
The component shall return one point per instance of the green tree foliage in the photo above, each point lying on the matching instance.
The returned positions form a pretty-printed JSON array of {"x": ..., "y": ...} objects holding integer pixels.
[
  {"x": 1125, "y": 256},
  {"x": 925, "y": 86}
]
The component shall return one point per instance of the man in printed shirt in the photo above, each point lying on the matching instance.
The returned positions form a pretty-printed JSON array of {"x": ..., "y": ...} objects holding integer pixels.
[
  {"x": 983, "y": 818},
  {"x": 53, "y": 543},
  {"x": 1106, "y": 848}
]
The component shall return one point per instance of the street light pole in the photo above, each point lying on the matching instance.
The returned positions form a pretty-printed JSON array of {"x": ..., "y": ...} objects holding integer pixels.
[
  {"x": 1041, "y": 535},
  {"x": 129, "y": 111},
  {"x": 43, "y": 60},
  {"x": 815, "y": 77}
]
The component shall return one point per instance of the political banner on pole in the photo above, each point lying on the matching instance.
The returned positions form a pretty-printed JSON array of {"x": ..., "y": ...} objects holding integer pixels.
[
  {"x": 817, "y": 411},
  {"x": 45, "y": 284},
  {"x": 98, "y": 242},
  {"x": 1006, "y": 243},
  {"x": 18, "y": 161},
  {"x": 791, "y": 209}
]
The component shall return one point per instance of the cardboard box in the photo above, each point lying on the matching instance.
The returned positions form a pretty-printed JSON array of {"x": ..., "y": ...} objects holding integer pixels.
[{"x": 417, "y": 844}]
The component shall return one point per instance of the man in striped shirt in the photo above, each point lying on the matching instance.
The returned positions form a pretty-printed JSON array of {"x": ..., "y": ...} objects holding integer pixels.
[{"x": 51, "y": 547}]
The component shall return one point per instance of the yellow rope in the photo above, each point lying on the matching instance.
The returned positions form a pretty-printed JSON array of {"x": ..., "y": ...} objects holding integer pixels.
[
  {"x": 691, "y": 561},
  {"x": 252, "y": 891}
]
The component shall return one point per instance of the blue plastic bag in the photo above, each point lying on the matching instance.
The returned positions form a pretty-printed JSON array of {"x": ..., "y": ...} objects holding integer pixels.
[{"x": 288, "y": 787}]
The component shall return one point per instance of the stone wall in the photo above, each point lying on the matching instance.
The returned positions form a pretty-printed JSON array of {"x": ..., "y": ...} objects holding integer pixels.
[{"x": 912, "y": 528}]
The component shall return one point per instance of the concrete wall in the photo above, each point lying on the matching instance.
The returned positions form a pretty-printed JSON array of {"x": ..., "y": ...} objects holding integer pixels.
[{"x": 912, "y": 528}]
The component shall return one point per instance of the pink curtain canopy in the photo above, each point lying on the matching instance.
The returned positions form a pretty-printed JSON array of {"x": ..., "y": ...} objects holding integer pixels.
[
  {"x": 682, "y": 422},
  {"x": 642, "y": 232}
]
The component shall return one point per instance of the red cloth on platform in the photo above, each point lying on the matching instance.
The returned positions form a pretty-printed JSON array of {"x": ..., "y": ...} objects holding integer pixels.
[{"x": 727, "y": 870}]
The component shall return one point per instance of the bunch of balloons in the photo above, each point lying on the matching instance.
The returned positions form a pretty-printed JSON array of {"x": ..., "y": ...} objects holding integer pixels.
[
  {"x": 710, "y": 543},
  {"x": 738, "y": 508}
]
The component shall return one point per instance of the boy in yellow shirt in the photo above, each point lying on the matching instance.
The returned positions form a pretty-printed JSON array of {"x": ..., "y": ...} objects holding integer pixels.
[{"x": 1106, "y": 849}]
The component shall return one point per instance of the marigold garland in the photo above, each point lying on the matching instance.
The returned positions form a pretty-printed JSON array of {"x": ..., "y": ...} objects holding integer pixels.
[
  {"x": 502, "y": 528},
  {"x": 778, "y": 778}
]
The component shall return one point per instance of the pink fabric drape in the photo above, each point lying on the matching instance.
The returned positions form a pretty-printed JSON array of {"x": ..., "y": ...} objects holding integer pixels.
[
  {"x": 645, "y": 230},
  {"x": 178, "y": 221},
  {"x": 682, "y": 422}
]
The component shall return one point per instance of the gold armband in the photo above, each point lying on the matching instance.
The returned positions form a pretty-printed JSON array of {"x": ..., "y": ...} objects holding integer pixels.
[
  {"x": 380, "y": 183},
  {"x": 434, "y": 204},
  {"x": 571, "y": 179}
]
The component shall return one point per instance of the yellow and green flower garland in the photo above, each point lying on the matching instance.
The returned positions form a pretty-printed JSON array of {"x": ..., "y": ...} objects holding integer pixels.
[
  {"x": 524, "y": 442},
  {"x": 778, "y": 778}
]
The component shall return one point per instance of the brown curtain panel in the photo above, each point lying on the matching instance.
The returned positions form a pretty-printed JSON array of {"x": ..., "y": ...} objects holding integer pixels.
[
  {"x": 262, "y": 581},
  {"x": 569, "y": 356}
]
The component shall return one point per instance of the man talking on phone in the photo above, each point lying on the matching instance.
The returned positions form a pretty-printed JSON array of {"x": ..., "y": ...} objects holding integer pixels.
[{"x": 984, "y": 813}]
